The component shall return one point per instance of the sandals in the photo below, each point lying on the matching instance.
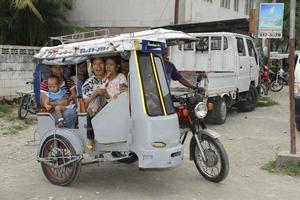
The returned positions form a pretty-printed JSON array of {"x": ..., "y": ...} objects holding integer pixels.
[{"x": 89, "y": 147}]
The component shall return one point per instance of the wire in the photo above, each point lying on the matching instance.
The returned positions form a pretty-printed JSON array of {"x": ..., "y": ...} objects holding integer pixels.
[{"x": 162, "y": 12}]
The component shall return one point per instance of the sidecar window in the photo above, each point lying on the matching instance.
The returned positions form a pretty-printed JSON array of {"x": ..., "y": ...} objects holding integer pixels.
[
  {"x": 150, "y": 88},
  {"x": 164, "y": 85}
]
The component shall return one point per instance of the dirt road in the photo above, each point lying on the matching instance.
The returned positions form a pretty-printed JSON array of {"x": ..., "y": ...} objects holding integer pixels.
[{"x": 251, "y": 140}]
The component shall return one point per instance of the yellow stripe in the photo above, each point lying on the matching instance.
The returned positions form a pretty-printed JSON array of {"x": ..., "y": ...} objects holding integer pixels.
[
  {"x": 158, "y": 84},
  {"x": 140, "y": 81}
]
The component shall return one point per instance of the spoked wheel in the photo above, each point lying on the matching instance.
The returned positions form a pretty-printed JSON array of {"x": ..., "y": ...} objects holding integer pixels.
[
  {"x": 277, "y": 85},
  {"x": 216, "y": 165},
  {"x": 62, "y": 166},
  {"x": 24, "y": 107}
]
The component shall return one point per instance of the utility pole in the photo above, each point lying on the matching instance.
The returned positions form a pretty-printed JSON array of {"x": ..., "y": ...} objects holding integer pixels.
[{"x": 292, "y": 77}]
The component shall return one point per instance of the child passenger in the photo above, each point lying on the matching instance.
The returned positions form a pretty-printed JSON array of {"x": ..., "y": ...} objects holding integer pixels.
[
  {"x": 115, "y": 82},
  {"x": 57, "y": 99}
]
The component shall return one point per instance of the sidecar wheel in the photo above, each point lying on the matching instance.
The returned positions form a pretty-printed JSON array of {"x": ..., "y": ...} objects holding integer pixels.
[
  {"x": 216, "y": 167},
  {"x": 60, "y": 150}
]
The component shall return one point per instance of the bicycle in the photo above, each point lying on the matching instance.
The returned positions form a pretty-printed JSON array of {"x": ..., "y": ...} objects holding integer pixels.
[{"x": 27, "y": 103}]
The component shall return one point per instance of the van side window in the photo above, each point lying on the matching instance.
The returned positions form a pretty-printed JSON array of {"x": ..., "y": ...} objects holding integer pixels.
[
  {"x": 202, "y": 44},
  {"x": 251, "y": 49},
  {"x": 216, "y": 43},
  {"x": 241, "y": 47},
  {"x": 189, "y": 46}
]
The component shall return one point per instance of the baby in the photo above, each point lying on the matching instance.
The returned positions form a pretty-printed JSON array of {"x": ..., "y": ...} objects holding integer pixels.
[{"x": 57, "y": 99}]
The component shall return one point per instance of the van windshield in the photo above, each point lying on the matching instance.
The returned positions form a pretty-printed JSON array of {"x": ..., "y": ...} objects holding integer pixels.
[{"x": 156, "y": 92}]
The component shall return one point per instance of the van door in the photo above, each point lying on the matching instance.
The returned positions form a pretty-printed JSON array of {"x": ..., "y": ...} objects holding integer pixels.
[
  {"x": 243, "y": 67},
  {"x": 253, "y": 60}
]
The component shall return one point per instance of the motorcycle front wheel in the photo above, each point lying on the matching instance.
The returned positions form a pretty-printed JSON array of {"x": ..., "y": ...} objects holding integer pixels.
[
  {"x": 216, "y": 165},
  {"x": 276, "y": 86}
]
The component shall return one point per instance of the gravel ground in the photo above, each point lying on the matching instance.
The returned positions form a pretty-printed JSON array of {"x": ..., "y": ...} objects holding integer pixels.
[{"x": 251, "y": 140}]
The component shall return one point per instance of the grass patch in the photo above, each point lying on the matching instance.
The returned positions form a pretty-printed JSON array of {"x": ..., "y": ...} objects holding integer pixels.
[
  {"x": 9, "y": 122},
  {"x": 291, "y": 169},
  {"x": 266, "y": 102}
]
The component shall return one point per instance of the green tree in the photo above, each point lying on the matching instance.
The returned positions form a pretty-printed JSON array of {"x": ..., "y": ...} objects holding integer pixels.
[{"x": 32, "y": 22}]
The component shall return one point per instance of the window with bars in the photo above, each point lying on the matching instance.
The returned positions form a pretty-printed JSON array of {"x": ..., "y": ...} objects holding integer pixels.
[
  {"x": 225, "y": 4},
  {"x": 236, "y": 5},
  {"x": 249, "y": 4}
]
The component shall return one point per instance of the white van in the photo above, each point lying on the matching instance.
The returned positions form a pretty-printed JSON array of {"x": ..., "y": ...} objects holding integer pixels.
[
  {"x": 231, "y": 64},
  {"x": 297, "y": 89}
]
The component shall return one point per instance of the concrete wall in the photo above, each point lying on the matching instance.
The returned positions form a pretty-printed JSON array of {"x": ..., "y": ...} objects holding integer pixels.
[
  {"x": 122, "y": 13},
  {"x": 16, "y": 67},
  {"x": 205, "y": 11},
  {"x": 136, "y": 14}
]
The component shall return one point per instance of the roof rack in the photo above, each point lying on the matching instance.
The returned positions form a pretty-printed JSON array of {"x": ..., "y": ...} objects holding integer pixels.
[{"x": 77, "y": 37}]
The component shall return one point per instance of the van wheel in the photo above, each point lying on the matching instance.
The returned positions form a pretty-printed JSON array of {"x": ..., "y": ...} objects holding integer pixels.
[
  {"x": 221, "y": 111},
  {"x": 251, "y": 100}
]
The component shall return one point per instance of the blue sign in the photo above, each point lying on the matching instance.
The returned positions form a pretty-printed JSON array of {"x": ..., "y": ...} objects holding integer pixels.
[{"x": 270, "y": 20}]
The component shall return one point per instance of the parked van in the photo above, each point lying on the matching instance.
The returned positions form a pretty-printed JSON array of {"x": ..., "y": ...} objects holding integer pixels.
[
  {"x": 297, "y": 89},
  {"x": 231, "y": 65}
]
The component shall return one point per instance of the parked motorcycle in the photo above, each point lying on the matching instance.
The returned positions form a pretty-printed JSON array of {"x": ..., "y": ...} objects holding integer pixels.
[
  {"x": 278, "y": 80},
  {"x": 206, "y": 150}
]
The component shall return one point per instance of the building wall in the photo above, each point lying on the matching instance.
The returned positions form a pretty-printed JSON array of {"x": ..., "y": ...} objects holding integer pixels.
[
  {"x": 16, "y": 67},
  {"x": 142, "y": 14},
  {"x": 123, "y": 13},
  {"x": 207, "y": 11}
]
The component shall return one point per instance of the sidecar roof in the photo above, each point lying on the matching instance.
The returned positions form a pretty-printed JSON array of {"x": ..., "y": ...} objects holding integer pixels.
[{"x": 65, "y": 54}]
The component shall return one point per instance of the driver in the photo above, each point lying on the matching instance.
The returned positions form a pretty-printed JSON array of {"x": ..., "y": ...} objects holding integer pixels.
[
  {"x": 173, "y": 74},
  {"x": 69, "y": 114}
]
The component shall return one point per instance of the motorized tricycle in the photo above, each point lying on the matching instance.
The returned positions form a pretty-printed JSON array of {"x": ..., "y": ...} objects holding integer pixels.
[{"x": 145, "y": 125}]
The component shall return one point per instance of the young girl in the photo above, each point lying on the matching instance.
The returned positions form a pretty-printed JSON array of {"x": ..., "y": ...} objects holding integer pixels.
[{"x": 115, "y": 82}]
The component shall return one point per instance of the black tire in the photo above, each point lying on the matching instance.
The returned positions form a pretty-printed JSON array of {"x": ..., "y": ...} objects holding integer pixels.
[
  {"x": 276, "y": 87},
  {"x": 131, "y": 159},
  {"x": 214, "y": 156},
  {"x": 220, "y": 111},
  {"x": 56, "y": 176},
  {"x": 251, "y": 100},
  {"x": 24, "y": 106}
]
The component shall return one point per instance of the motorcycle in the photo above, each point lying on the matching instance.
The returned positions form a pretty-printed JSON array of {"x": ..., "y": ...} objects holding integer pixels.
[
  {"x": 206, "y": 150},
  {"x": 278, "y": 79}
]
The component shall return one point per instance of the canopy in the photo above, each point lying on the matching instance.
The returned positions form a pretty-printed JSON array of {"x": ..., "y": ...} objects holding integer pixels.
[{"x": 109, "y": 45}]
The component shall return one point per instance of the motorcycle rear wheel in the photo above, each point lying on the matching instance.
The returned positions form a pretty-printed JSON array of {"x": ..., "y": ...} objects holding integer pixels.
[
  {"x": 216, "y": 167},
  {"x": 277, "y": 86}
]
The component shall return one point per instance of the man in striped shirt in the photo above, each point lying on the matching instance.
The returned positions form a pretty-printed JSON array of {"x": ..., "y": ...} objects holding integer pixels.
[{"x": 69, "y": 114}]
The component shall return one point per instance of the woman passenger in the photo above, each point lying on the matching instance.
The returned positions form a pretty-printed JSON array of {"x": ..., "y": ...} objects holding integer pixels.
[{"x": 91, "y": 89}]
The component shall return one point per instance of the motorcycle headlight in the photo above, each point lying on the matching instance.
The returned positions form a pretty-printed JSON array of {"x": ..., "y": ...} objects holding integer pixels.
[{"x": 200, "y": 110}]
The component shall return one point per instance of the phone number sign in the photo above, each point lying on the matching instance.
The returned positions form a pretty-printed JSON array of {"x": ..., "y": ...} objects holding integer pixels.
[{"x": 271, "y": 20}]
